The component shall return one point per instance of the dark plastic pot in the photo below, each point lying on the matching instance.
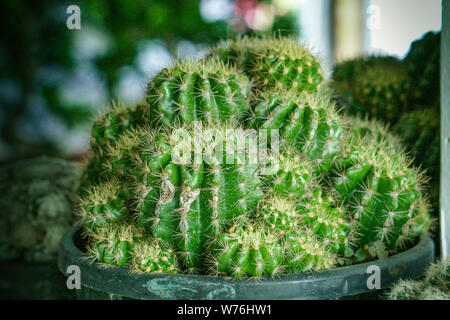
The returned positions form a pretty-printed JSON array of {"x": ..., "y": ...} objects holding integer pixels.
[{"x": 114, "y": 283}]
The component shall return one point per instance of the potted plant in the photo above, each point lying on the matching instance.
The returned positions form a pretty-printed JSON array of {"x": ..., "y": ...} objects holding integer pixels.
[{"x": 238, "y": 167}]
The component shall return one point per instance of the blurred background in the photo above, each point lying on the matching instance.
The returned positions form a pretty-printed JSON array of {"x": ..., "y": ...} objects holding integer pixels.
[{"x": 63, "y": 61}]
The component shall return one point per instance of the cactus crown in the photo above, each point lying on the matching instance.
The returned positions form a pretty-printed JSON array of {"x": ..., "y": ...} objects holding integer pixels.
[{"x": 160, "y": 193}]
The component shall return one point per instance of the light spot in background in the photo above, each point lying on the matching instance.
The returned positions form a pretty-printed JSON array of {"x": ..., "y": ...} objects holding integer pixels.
[
  {"x": 284, "y": 6},
  {"x": 315, "y": 27},
  {"x": 75, "y": 141},
  {"x": 131, "y": 85},
  {"x": 402, "y": 22},
  {"x": 260, "y": 18},
  {"x": 90, "y": 43},
  {"x": 85, "y": 87},
  {"x": 215, "y": 10},
  {"x": 152, "y": 57},
  {"x": 186, "y": 49}
]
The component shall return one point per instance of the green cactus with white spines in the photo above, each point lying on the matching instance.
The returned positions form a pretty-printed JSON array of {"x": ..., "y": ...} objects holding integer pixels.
[
  {"x": 278, "y": 213},
  {"x": 273, "y": 62},
  {"x": 109, "y": 125},
  {"x": 149, "y": 257},
  {"x": 386, "y": 195},
  {"x": 309, "y": 122},
  {"x": 103, "y": 204},
  {"x": 305, "y": 252},
  {"x": 292, "y": 174},
  {"x": 328, "y": 220},
  {"x": 113, "y": 244},
  {"x": 183, "y": 204},
  {"x": 205, "y": 90},
  {"x": 247, "y": 250}
]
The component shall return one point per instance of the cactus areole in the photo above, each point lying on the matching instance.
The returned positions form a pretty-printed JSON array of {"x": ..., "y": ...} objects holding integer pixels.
[{"x": 239, "y": 165}]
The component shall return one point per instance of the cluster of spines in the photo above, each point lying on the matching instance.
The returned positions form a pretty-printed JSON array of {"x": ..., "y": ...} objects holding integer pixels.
[
  {"x": 290, "y": 173},
  {"x": 205, "y": 90},
  {"x": 148, "y": 256},
  {"x": 328, "y": 220},
  {"x": 184, "y": 204},
  {"x": 115, "y": 121},
  {"x": 305, "y": 252}
]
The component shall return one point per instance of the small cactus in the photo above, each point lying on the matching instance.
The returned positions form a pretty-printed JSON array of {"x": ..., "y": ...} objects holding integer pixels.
[
  {"x": 247, "y": 250},
  {"x": 149, "y": 257}
]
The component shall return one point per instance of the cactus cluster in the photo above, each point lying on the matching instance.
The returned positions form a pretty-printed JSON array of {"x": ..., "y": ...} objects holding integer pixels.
[{"x": 177, "y": 184}]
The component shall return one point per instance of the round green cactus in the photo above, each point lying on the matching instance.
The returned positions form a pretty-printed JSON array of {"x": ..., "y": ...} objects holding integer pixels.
[
  {"x": 273, "y": 62},
  {"x": 247, "y": 250},
  {"x": 112, "y": 244},
  {"x": 205, "y": 90},
  {"x": 387, "y": 197},
  {"x": 103, "y": 204},
  {"x": 309, "y": 122},
  {"x": 376, "y": 86},
  {"x": 149, "y": 257},
  {"x": 120, "y": 118},
  {"x": 305, "y": 252}
]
